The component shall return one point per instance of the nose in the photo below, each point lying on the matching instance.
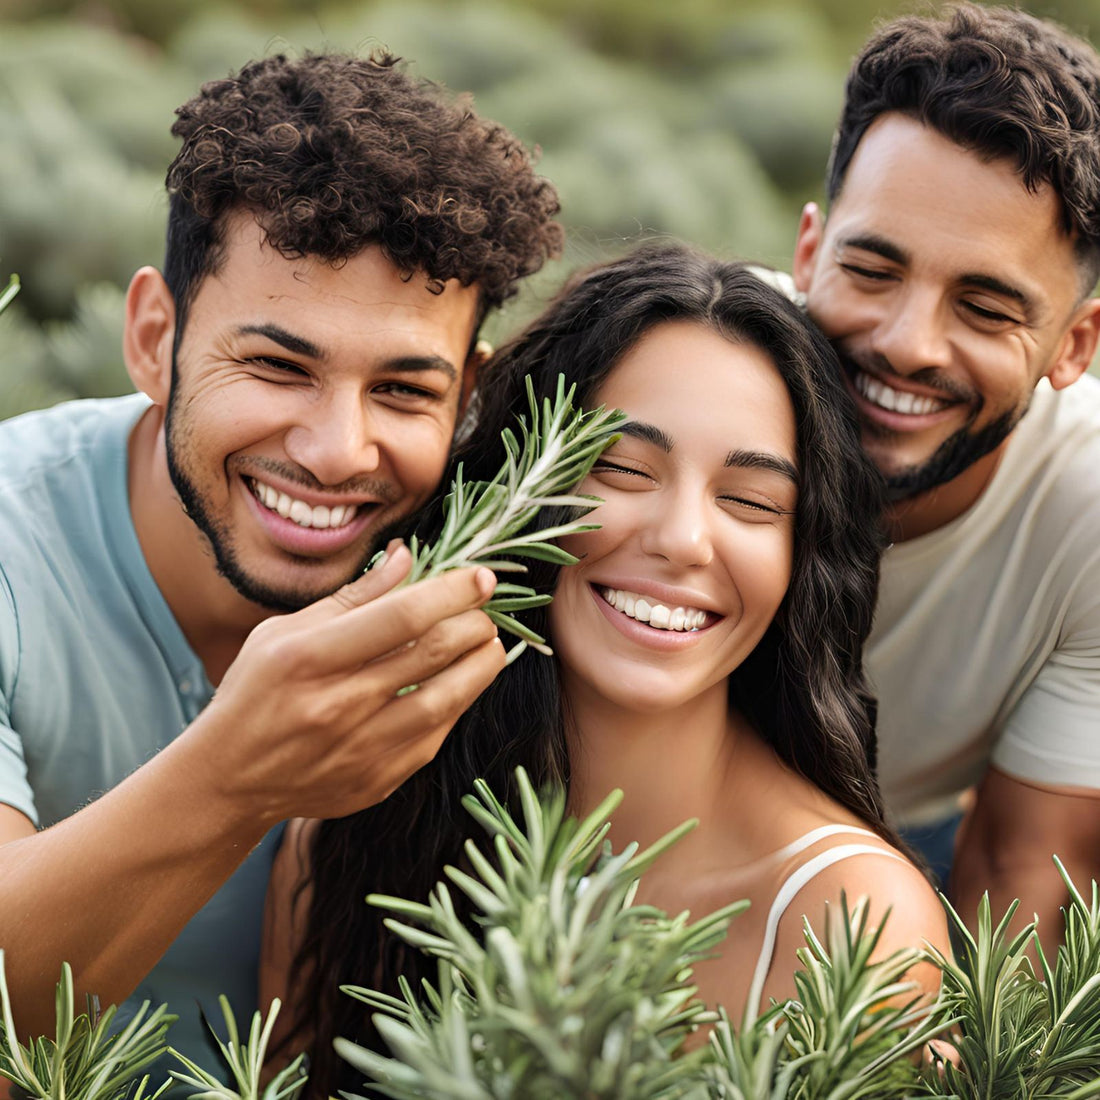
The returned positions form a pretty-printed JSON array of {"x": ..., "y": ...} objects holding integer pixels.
[
  {"x": 335, "y": 440},
  {"x": 912, "y": 332},
  {"x": 678, "y": 527}
]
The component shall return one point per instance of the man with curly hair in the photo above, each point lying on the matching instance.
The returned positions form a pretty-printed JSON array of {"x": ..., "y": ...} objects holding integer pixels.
[
  {"x": 954, "y": 275},
  {"x": 337, "y": 232}
]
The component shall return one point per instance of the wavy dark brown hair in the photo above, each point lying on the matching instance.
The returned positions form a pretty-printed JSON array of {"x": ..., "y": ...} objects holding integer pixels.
[
  {"x": 332, "y": 153},
  {"x": 802, "y": 687},
  {"x": 1001, "y": 83}
]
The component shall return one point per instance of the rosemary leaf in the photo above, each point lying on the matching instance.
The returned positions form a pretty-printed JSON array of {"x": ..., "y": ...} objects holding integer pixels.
[{"x": 485, "y": 522}]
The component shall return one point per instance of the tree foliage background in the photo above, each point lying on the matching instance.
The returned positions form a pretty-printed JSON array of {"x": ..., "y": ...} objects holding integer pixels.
[{"x": 708, "y": 120}]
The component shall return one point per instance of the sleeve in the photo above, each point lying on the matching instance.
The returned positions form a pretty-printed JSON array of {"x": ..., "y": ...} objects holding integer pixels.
[
  {"x": 15, "y": 789},
  {"x": 1052, "y": 734}
]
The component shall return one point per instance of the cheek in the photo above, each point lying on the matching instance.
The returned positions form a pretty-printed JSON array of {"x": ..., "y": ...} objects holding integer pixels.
[
  {"x": 762, "y": 565},
  {"x": 419, "y": 455}
]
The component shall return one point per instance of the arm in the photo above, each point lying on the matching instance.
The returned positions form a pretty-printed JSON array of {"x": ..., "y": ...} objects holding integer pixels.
[
  {"x": 898, "y": 894},
  {"x": 306, "y": 722},
  {"x": 1006, "y": 843}
]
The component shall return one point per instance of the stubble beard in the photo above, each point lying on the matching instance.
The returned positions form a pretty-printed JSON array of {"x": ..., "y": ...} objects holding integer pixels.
[
  {"x": 956, "y": 454},
  {"x": 219, "y": 538}
]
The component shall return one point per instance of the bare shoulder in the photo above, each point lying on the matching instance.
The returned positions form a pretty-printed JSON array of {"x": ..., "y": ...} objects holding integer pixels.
[{"x": 900, "y": 900}]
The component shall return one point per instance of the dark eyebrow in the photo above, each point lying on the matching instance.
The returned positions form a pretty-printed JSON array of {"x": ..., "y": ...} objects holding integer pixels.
[
  {"x": 299, "y": 345},
  {"x": 998, "y": 286},
  {"x": 754, "y": 460},
  {"x": 871, "y": 242},
  {"x": 648, "y": 433},
  {"x": 417, "y": 364},
  {"x": 761, "y": 460}
]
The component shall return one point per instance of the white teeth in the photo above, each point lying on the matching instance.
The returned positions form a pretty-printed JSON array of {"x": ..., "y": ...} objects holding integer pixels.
[
  {"x": 319, "y": 516},
  {"x": 683, "y": 619},
  {"x": 909, "y": 404}
]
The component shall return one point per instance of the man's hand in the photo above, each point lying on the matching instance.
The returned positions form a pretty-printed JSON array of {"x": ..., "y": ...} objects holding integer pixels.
[
  {"x": 307, "y": 721},
  {"x": 310, "y": 719}
]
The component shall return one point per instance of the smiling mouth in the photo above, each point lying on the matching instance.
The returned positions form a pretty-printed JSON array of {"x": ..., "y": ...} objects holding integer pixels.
[
  {"x": 878, "y": 393},
  {"x": 305, "y": 515},
  {"x": 656, "y": 615}
]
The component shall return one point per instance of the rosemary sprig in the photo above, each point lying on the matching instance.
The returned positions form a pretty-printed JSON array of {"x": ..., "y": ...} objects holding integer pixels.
[
  {"x": 86, "y": 1059},
  {"x": 245, "y": 1062},
  {"x": 570, "y": 989},
  {"x": 484, "y": 522}
]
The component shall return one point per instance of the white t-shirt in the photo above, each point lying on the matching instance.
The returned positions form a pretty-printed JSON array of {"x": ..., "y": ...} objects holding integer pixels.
[{"x": 986, "y": 646}]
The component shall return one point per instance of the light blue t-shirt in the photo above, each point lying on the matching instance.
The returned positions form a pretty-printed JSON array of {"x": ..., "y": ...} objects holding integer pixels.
[{"x": 96, "y": 676}]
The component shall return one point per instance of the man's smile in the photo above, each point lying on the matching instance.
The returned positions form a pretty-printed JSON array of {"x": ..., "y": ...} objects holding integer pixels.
[{"x": 300, "y": 511}]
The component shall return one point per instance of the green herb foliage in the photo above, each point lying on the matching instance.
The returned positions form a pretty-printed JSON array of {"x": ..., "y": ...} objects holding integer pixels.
[
  {"x": 569, "y": 990},
  {"x": 84, "y": 1060},
  {"x": 245, "y": 1061},
  {"x": 485, "y": 522}
]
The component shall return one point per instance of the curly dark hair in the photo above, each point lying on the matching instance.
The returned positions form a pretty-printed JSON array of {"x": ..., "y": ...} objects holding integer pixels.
[
  {"x": 333, "y": 152},
  {"x": 996, "y": 81},
  {"x": 803, "y": 686}
]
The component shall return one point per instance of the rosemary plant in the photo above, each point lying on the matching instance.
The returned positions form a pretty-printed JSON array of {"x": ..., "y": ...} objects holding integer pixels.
[
  {"x": 850, "y": 1033},
  {"x": 1019, "y": 1037},
  {"x": 84, "y": 1060},
  {"x": 570, "y": 990},
  {"x": 245, "y": 1061},
  {"x": 484, "y": 522}
]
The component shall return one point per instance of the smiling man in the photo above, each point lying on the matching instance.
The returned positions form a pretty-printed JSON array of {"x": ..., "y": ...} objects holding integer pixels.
[
  {"x": 337, "y": 232},
  {"x": 953, "y": 275}
]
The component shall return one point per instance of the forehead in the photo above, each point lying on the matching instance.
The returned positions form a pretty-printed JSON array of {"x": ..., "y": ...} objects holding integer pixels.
[
  {"x": 365, "y": 296},
  {"x": 703, "y": 389},
  {"x": 951, "y": 210}
]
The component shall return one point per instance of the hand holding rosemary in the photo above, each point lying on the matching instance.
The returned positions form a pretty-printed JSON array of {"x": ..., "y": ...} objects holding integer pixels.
[{"x": 484, "y": 521}]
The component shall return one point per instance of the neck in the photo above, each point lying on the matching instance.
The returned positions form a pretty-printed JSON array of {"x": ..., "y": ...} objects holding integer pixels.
[
  {"x": 937, "y": 507},
  {"x": 691, "y": 762},
  {"x": 213, "y": 616}
]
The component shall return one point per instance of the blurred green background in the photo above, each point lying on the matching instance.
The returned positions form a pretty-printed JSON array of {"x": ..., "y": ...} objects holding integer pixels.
[{"x": 708, "y": 120}]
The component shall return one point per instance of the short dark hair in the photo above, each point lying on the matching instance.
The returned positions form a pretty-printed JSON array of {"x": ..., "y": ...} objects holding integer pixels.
[
  {"x": 1001, "y": 83},
  {"x": 332, "y": 153}
]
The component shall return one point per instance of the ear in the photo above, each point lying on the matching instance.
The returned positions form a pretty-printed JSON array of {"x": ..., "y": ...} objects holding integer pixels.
[
  {"x": 471, "y": 372},
  {"x": 811, "y": 230},
  {"x": 149, "y": 332},
  {"x": 1078, "y": 345}
]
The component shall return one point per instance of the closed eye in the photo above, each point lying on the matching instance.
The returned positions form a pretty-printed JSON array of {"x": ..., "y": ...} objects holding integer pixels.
[
  {"x": 757, "y": 506},
  {"x": 991, "y": 315},
  {"x": 603, "y": 466},
  {"x": 280, "y": 365},
  {"x": 400, "y": 389},
  {"x": 867, "y": 273}
]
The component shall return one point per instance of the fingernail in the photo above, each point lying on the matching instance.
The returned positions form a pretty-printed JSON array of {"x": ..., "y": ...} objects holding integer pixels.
[{"x": 486, "y": 581}]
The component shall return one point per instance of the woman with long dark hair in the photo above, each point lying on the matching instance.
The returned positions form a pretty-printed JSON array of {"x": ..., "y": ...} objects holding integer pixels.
[{"x": 707, "y": 649}]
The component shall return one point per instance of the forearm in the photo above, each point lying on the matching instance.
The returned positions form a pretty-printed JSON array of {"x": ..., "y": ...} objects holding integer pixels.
[
  {"x": 1037, "y": 885},
  {"x": 109, "y": 888}
]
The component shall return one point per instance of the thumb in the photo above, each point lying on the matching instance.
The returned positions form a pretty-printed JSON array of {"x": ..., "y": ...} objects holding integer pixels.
[{"x": 386, "y": 574}]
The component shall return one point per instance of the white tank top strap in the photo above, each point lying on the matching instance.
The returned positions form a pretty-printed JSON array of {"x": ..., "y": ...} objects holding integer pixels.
[
  {"x": 809, "y": 839},
  {"x": 790, "y": 888}
]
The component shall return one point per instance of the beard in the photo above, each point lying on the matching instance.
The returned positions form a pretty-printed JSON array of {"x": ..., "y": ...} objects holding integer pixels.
[
  {"x": 958, "y": 452},
  {"x": 219, "y": 535}
]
